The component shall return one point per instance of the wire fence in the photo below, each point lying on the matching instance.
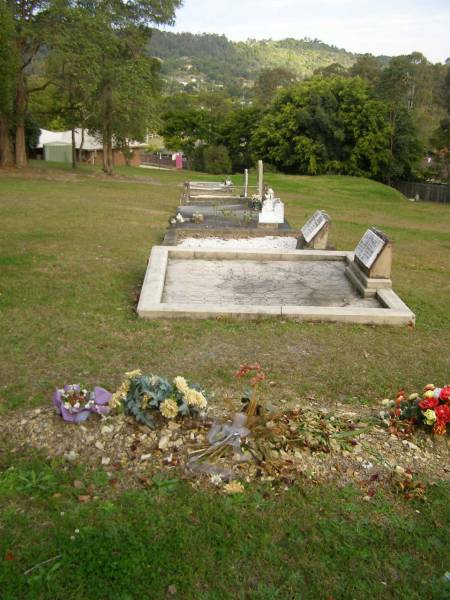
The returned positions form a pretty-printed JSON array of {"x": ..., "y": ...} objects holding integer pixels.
[{"x": 429, "y": 192}]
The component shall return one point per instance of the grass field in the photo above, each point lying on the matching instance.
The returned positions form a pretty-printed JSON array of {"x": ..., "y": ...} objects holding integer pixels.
[{"x": 73, "y": 253}]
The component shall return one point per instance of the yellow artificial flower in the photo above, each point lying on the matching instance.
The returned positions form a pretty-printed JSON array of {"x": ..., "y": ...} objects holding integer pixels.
[
  {"x": 116, "y": 400},
  {"x": 430, "y": 416},
  {"x": 169, "y": 408},
  {"x": 413, "y": 397},
  {"x": 132, "y": 374},
  {"x": 195, "y": 398},
  {"x": 181, "y": 384},
  {"x": 119, "y": 396}
]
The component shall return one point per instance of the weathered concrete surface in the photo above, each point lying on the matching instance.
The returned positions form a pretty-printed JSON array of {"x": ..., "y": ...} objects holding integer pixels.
[
  {"x": 178, "y": 284},
  {"x": 260, "y": 282}
]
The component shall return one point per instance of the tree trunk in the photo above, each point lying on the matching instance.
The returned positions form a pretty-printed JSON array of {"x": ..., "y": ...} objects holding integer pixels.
[
  {"x": 107, "y": 130},
  {"x": 80, "y": 151},
  {"x": 20, "y": 112},
  {"x": 6, "y": 150},
  {"x": 74, "y": 150}
]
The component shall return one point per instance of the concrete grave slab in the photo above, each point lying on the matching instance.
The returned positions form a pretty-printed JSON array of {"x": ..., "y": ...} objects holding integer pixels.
[{"x": 297, "y": 284}]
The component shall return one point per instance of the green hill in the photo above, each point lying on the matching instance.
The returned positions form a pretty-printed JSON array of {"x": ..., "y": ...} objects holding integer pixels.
[{"x": 211, "y": 60}]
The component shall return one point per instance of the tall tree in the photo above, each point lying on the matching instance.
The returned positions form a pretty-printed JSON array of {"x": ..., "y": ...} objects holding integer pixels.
[
  {"x": 33, "y": 20},
  {"x": 8, "y": 68},
  {"x": 332, "y": 126},
  {"x": 367, "y": 67},
  {"x": 272, "y": 80},
  {"x": 236, "y": 133},
  {"x": 123, "y": 32}
]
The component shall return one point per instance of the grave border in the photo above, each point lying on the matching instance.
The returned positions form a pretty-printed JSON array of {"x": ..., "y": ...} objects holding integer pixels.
[{"x": 394, "y": 311}]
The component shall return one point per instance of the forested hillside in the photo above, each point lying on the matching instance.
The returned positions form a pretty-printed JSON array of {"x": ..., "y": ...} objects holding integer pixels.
[{"x": 210, "y": 59}]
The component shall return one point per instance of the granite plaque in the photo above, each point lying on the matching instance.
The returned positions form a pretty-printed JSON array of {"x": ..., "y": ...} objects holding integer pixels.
[
  {"x": 313, "y": 225},
  {"x": 369, "y": 248}
]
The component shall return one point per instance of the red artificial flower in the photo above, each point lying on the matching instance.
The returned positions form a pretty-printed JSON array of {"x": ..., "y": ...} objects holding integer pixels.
[
  {"x": 244, "y": 369},
  {"x": 439, "y": 428},
  {"x": 445, "y": 394},
  {"x": 400, "y": 396},
  {"x": 257, "y": 378},
  {"x": 442, "y": 413},
  {"x": 427, "y": 403}
]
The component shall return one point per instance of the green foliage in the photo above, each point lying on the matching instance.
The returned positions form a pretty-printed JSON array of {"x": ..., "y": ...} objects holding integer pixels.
[
  {"x": 236, "y": 133},
  {"x": 30, "y": 481},
  {"x": 331, "y": 126},
  {"x": 142, "y": 395},
  {"x": 368, "y": 67},
  {"x": 156, "y": 389},
  {"x": 279, "y": 544},
  {"x": 216, "y": 159},
  {"x": 185, "y": 125},
  {"x": 214, "y": 60},
  {"x": 270, "y": 81},
  {"x": 8, "y": 60}
]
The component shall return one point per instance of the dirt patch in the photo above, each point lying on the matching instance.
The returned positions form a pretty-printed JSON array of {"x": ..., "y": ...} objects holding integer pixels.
[{"x": 369, "y": 457}]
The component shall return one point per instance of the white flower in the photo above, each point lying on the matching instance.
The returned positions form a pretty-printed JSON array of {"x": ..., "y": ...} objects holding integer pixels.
[
  {"x": 216, "y": 479},
  {"x": 76, "y": 405}
]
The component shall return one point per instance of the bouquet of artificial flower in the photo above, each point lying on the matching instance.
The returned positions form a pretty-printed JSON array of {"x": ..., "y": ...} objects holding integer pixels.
[
  {"x": 143, "y": 396},
  {"x": 75, "y": 403},
  {"x": 432, "y": 410}
]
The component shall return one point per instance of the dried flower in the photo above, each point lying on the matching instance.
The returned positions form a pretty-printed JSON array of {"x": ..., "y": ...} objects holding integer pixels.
[
  {"x": 234, "y": 487},
  {"x": 169, "y": 408}
]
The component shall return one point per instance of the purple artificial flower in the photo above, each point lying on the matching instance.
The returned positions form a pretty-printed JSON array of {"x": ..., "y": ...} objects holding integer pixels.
[{"x": 98, "y": 404}]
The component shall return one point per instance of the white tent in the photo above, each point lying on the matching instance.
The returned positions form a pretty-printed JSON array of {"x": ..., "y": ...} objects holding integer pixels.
[{"x": 65, "y": 137}]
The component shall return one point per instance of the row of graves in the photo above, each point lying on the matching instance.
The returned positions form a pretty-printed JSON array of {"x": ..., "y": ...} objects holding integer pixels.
[{"x": 230, "y": 252}]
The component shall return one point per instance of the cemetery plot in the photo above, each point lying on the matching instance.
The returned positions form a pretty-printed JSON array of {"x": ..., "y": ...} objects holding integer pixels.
[{"x": 298, "y": 284}]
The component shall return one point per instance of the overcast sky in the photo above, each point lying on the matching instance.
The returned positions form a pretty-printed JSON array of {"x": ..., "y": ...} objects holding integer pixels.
[{"x": 378, "y": 26}]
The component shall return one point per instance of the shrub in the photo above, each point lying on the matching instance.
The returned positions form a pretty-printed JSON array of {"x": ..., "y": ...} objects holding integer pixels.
[{"x": 216, "y": 160}]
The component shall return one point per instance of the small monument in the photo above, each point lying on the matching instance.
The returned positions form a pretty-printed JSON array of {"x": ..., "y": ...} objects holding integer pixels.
[
  {"x": 314, "y": 233},
  {"x": 260, "y": 179},
  {"x": 272, "y": 211},
  {"x": 371, "y": 268}
]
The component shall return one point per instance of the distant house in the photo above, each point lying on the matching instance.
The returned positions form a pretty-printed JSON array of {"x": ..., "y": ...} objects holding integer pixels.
[{"x": 57, "y": 146}]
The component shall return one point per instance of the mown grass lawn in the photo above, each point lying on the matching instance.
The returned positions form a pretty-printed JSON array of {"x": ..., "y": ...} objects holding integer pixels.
[{"x": 73, "y": 253}]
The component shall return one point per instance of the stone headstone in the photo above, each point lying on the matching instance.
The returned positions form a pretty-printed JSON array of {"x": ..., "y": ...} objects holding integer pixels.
[
  {"x": 371, "y": 268},
  {"x": 314, "y": 224},
  {"x": 370, "y": 247},
  {"x": 314, "y": 233},
  {"x": 272, "y": 212}
]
